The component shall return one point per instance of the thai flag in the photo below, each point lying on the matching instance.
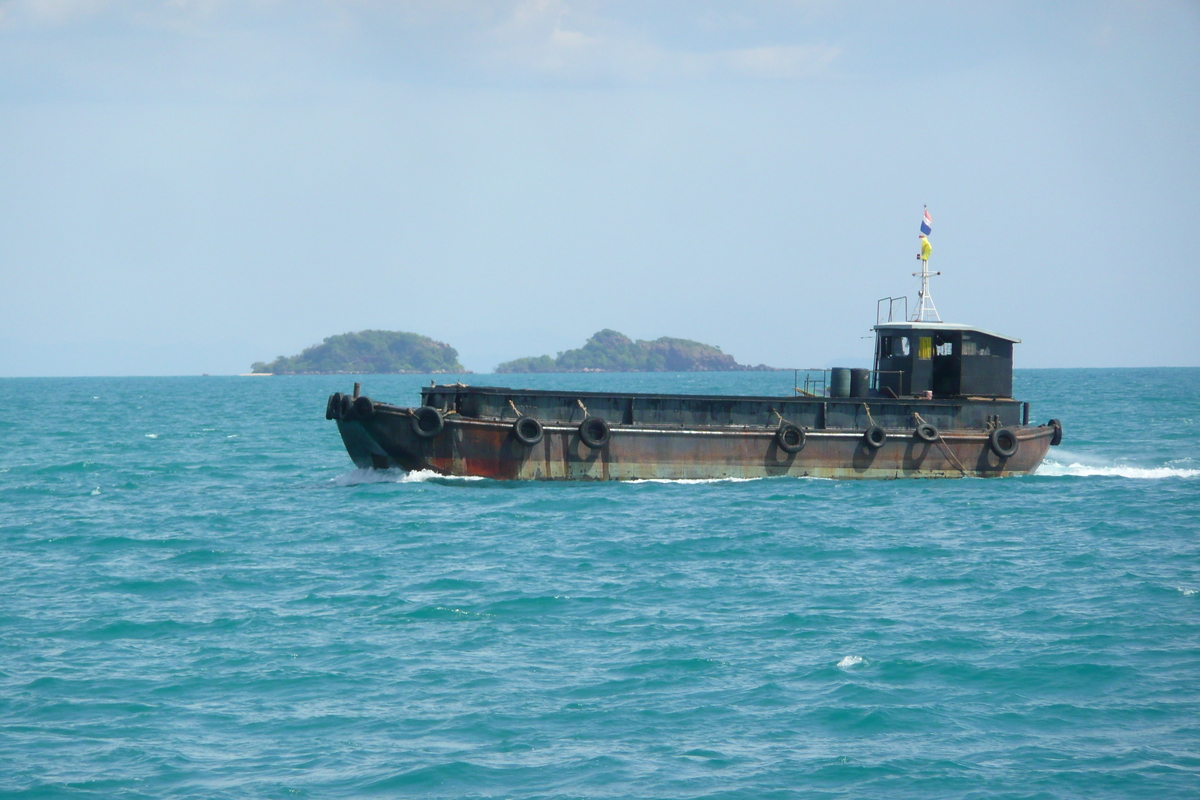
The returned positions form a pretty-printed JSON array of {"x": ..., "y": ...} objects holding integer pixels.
[{"x": 927, "y": 224}]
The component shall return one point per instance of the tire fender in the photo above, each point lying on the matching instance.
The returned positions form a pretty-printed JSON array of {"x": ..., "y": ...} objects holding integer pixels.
[
  {"x": 1003, "y": 442},
  {"x": 1057, "y": 439},
  {"x": 427, "y": 422},
  {"x": 527, "y": 430},
  {"x": 791, "y": 438},
  {"x": 594, "y": 432},
  {"x": 874, "y": 437}
]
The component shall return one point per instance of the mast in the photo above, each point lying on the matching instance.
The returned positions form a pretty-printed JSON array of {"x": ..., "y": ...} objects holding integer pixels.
[{"x": 926, "y": 310}]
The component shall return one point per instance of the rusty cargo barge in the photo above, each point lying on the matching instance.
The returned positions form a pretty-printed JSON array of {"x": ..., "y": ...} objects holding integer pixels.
[{"x": 937, "y": 405}]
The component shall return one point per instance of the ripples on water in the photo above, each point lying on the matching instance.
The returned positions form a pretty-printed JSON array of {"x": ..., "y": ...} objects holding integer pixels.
[{"x": 202, "y": 598}]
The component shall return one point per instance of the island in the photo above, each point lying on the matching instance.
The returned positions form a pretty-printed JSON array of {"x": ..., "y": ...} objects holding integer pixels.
[
  {"x": 611, "y": 351},
  {"x": 368, "y": 352}
]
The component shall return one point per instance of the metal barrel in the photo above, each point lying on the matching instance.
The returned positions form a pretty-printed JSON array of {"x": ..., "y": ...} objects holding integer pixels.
[
  {"x": 860, "y": 382},
  {"x": 839, "y": 382}
]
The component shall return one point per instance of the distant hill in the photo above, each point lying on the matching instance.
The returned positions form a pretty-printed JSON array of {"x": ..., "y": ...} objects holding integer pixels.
[
  {"x": 371, "y": 352},
  {"x": 610, "y": 351}
]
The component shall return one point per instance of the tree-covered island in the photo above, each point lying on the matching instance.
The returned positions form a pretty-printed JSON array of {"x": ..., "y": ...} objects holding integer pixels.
[
  {"x": 368, "y": 352},
  {"x": 610, "y": 351}
]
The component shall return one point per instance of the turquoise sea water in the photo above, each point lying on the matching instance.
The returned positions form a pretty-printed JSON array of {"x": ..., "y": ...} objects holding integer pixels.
[{"x": 202, "y": 598}]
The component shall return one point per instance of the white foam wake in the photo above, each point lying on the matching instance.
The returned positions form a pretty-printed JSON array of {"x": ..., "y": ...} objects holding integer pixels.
[
  {"x": 1077, "y": 470},
  {"x": 850, "y": 661},
  {"x": 693, "y": 480},
  {"x": 358, "y": 476}
]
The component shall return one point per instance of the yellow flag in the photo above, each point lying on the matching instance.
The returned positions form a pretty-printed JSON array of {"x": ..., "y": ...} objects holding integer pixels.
[{"x": 926, "y": 249}]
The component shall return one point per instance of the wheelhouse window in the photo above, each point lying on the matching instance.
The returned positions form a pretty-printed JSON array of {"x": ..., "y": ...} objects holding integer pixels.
[
  {"x": 892, "y": 346},
  {"x": 972, "y": 348}
]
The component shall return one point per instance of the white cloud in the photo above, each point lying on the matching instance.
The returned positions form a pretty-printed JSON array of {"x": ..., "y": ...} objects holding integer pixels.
[
  {"x": 565, "y": 40},
  {"x": 790, "y": 61},
  {"x": 562, "y": 39},
  {"x": 51, "y": 12}
]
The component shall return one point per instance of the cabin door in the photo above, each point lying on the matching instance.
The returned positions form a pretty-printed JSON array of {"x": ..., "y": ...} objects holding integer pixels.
[{"x": 946, "y": 369}]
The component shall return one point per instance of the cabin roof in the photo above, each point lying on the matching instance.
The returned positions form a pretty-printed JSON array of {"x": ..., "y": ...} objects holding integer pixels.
[
  {"x": 507, "y": 391},
  {"x": 940, "y": 326}
]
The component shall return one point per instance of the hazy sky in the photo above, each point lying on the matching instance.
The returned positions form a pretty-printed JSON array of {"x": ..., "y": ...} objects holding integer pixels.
[{"x": 190, "y": 186}]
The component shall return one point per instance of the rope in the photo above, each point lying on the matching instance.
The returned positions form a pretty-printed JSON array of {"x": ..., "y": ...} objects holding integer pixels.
[
  {"x": 782, "y": 419},
  {"x": 867, "y": 408},
  {"x": 945, "y": 447},
  {"x": 581, "y": 405},
  {"x": 516, "y": 410}
]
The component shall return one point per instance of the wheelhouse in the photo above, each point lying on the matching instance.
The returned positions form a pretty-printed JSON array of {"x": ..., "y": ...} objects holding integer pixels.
[{"x": 942, "y": 359}]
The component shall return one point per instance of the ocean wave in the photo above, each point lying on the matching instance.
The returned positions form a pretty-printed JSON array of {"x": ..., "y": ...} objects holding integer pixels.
[
  {"x": 850, "y": 661},
  {"x": 1078, "y": 470},
  {"x": 693, "y": 480},
  {"x": 394, "y": 475},
  {"x": 359, "y": 476}
]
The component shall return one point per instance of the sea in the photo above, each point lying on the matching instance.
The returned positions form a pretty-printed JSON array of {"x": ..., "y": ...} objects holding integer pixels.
[{"x": 201, "y": 597}]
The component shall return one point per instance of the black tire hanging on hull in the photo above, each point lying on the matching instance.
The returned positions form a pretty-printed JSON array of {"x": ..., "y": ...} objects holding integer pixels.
[
  {"x": 364, "y": 407},
  {"x": 1057, "y": 439},
  {"x": 1003, "y": 442},
  {"x": 527, "y": 430},
  {"x": 594, "y": 432},
  {"x": 927, "y": 433},
  {"x": 874, "y": 437},
  {"x": 427, "y": 422},
  {"x": 791, "y": 438}
]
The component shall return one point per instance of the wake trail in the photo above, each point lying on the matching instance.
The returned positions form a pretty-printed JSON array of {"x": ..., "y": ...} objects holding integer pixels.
[
  {"x": 356, "y": 477},
  {"x": 1077, "y": 470}
]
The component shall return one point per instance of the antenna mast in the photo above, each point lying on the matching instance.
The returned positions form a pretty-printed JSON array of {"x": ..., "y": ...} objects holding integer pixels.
[{"x": 926, "y": 310}]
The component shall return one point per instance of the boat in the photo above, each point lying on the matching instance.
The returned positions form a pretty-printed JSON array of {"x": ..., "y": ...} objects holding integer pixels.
[{"x": 938, "y": 404}]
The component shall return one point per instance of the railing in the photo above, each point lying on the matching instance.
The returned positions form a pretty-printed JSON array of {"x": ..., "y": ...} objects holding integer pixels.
[
  {"x": 817, "y": 382},
  {"x": 884, "y": 386},
  {"x": 891, "y": 314}
]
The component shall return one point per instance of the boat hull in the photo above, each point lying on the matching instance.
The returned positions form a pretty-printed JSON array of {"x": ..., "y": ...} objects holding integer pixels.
[{"x": 491, "y": 449}]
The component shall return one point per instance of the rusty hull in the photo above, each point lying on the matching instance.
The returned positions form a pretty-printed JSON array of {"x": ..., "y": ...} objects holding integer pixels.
[{"x": 488, "y": 448}]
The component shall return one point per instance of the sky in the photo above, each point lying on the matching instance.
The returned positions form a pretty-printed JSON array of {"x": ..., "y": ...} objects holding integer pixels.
[{"x": 190, "y": 186}]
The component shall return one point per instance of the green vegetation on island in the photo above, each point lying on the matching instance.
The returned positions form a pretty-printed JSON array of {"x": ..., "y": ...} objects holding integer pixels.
[
  {"x": 368, "y": 352},
  {"x": 610, "y": 351}
]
